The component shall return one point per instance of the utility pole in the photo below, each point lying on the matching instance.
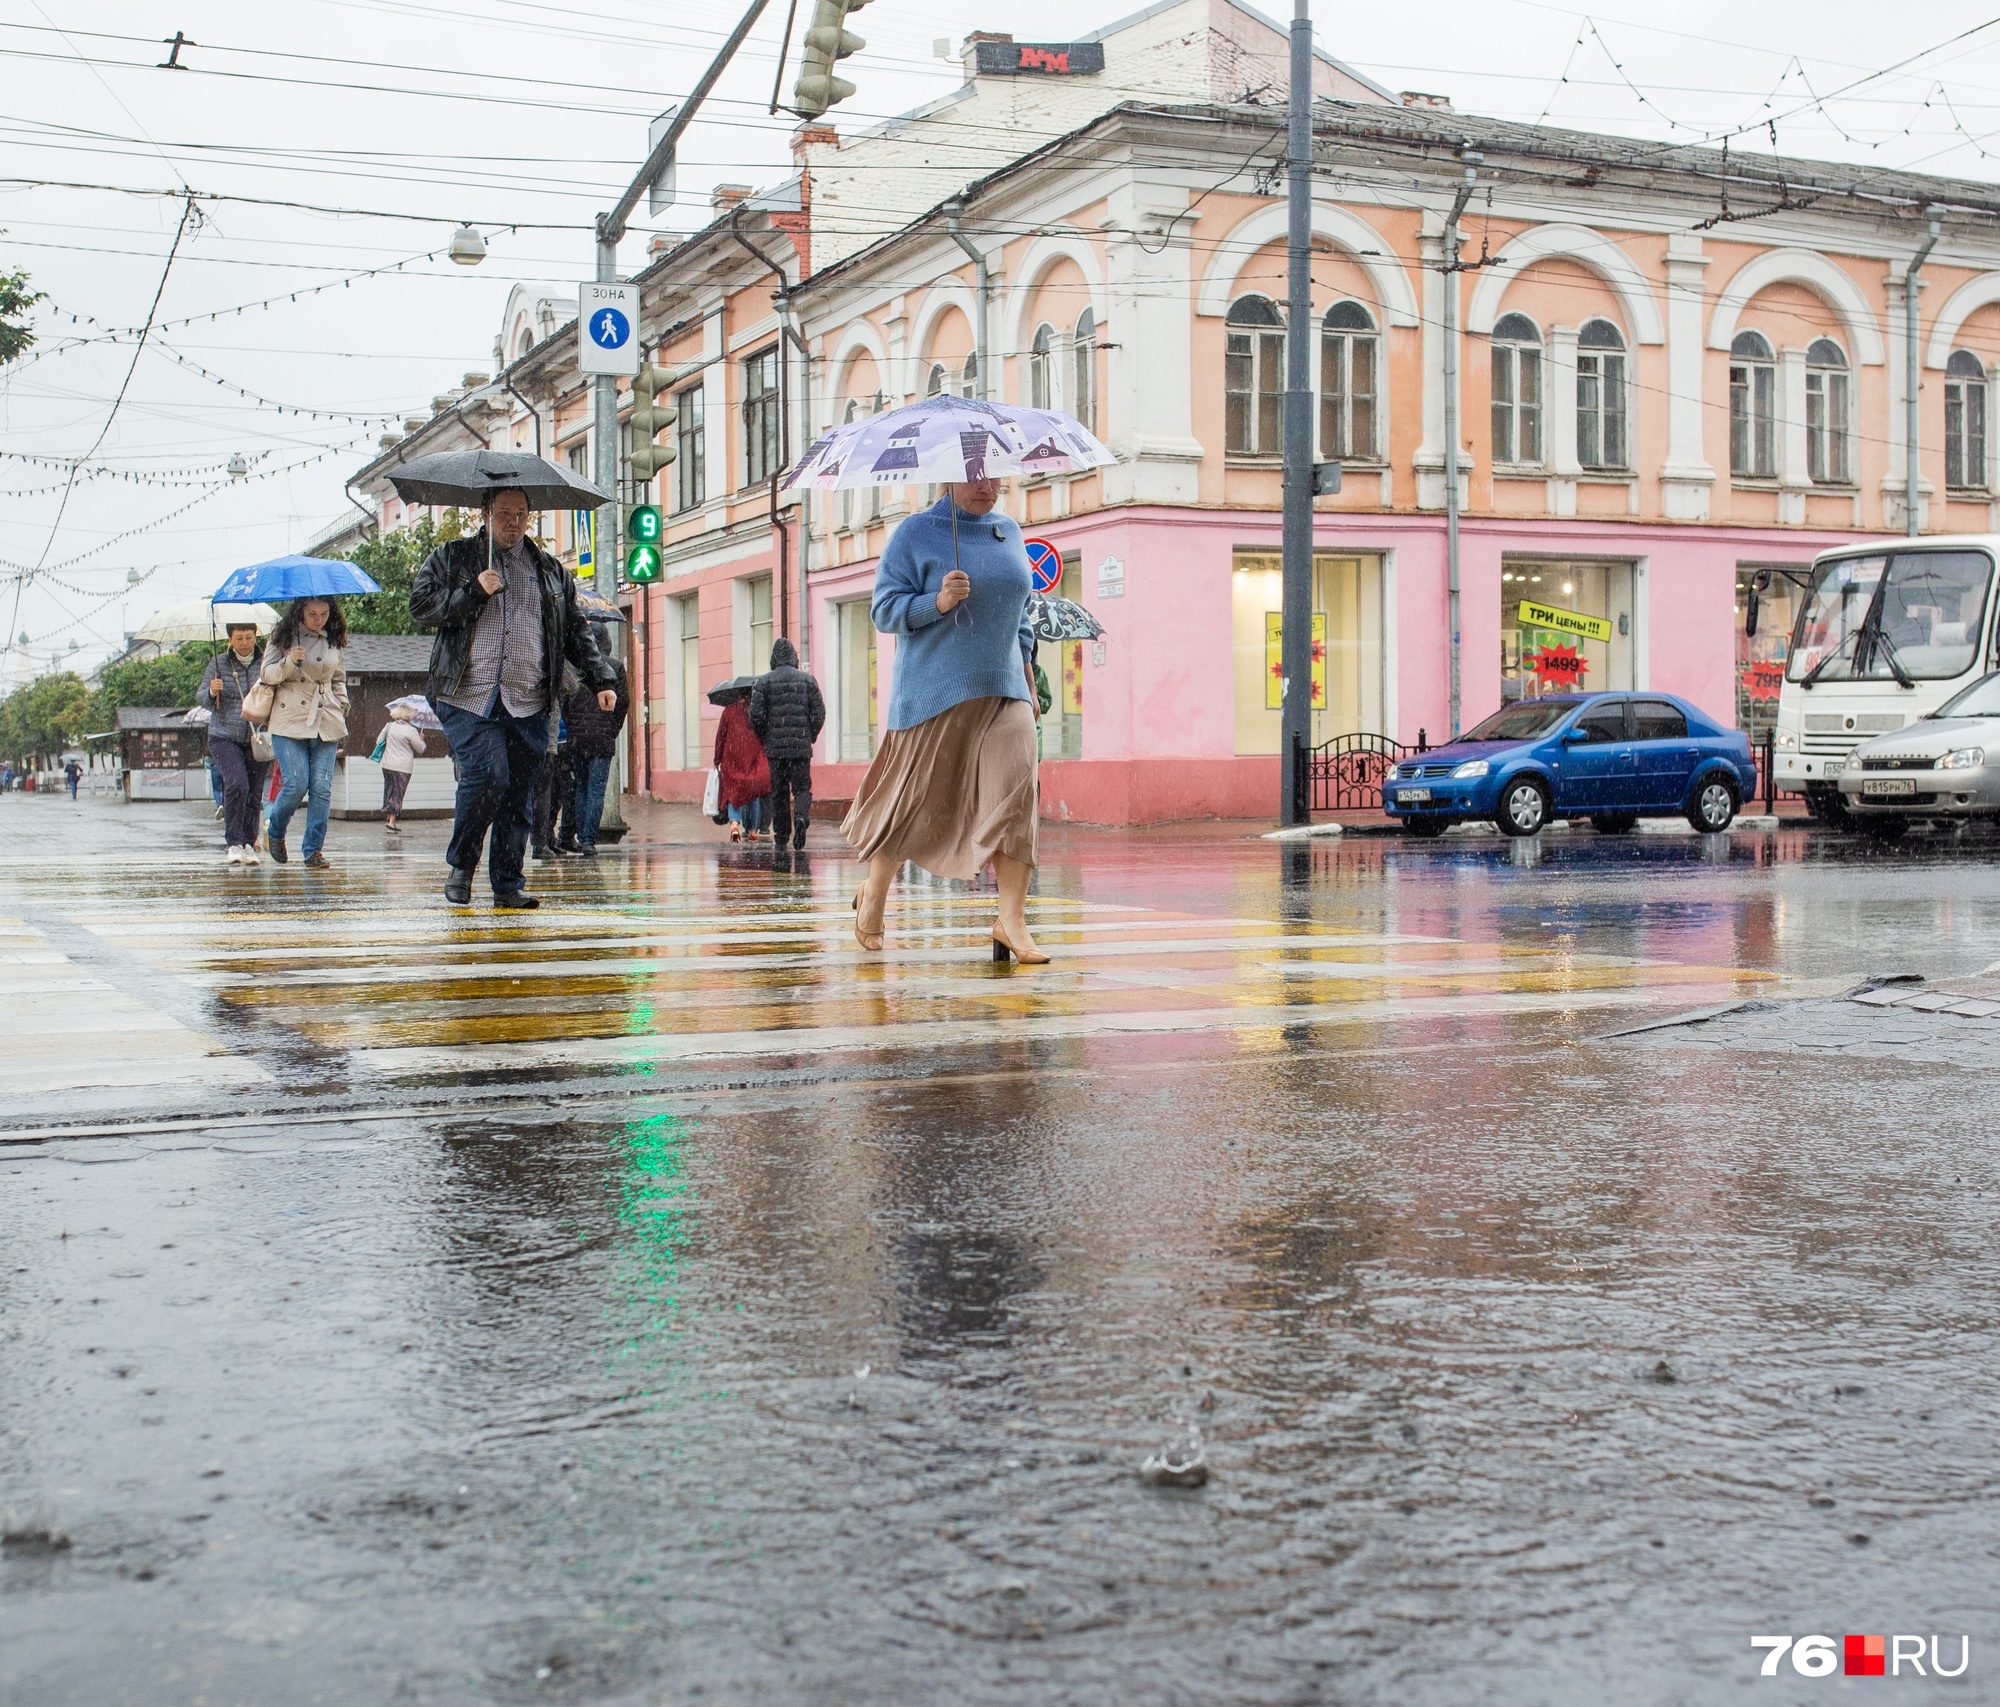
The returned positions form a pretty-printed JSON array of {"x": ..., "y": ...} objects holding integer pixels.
[
  {"x": 1295, "y": 661},
  {"x": 1913, "y": 467},
  {"x": 1471, "y": 160},
  {"x": 604, "y": 398}
]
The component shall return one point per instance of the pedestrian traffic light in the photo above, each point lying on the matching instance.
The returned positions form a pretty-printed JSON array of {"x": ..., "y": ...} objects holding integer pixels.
[
  {"x": 826, "y": 41},
  {"x": 642, "y": 563},
  {"x": 651, "y": 417}
]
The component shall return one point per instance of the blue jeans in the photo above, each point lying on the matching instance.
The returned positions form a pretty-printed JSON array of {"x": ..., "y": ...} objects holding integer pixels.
[
  {"x": 308, "y": 768},
  {"x": 752, "y": 816},
  {"x": 590, "y": 776},
  {"x": 499, "y": 758}
]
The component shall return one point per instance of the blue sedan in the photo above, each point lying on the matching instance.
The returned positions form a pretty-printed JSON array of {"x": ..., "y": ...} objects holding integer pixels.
[{"x": 1613, "y": 758}]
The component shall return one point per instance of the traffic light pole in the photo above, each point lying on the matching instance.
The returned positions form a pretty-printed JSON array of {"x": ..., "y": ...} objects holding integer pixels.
[
  {"x": 604, "y": 412},
  {"x": 1295, "y": 634}
]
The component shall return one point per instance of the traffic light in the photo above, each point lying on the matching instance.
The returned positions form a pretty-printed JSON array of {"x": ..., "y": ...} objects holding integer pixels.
[
  {"x": 642, "y": 561},
  {"x": 651, "y": 417},
  {"x": 826, "y": 41}
]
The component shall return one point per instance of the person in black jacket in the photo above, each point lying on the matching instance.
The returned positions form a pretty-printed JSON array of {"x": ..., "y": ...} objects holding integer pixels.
[
  {"x": 787, "y": 712},
  {"x": 506, "y": 617},
  {"x": 593, "y": 742}
]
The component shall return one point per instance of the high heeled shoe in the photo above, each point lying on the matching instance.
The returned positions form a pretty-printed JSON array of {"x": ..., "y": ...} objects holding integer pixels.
[
  {"x": 860, "y": 936},
  {"x": 1004, "y": 951}
]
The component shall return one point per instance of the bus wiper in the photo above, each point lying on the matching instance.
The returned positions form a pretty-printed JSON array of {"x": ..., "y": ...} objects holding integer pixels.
[
  {"x": 1888, "y": 648},
  {"x": 1813, "y": 674}
]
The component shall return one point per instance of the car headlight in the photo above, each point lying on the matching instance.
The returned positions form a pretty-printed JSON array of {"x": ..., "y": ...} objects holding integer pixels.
[
  {"x": 1787, "y": 741},
  {"x": 1472, "y": 767},
  {"x": 1963, "y": 759}
]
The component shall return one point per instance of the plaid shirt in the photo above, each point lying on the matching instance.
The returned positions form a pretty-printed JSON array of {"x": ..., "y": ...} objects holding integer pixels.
[{"x": 507, "y": 643}]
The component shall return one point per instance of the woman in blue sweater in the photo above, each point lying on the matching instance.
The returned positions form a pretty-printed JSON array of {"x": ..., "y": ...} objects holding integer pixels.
[{"x": 953, "y": 786}]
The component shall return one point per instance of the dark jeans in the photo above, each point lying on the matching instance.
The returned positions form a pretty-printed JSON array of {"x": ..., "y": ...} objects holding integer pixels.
[
  {"x": 791, "y": 800},
  {"x": 552, "y": 799},
  {"x": 499, "y": 759},
  {"x": 587, "y": 810},
  {"x": 243, "y": 781}
]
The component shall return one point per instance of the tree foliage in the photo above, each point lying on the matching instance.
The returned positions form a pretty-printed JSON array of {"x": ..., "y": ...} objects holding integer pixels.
[
  {"x": 170, "y": 680},
  {"x": 41, "y": 719},
  {"x": 15, "y": 301},
  {"x": 394, "y": 561}
]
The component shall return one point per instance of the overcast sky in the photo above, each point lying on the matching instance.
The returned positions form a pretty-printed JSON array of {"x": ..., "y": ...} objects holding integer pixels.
[{"x": 415, "y": 114}]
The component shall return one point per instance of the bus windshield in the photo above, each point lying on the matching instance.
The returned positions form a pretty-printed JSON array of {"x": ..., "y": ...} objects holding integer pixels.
[{"x": 1911, "y": 615}]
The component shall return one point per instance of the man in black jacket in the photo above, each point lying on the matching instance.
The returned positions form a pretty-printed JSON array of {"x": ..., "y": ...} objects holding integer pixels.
[
  {"x": 506, "y": 617},
  {"x": 788, "y": 713},
  {"x": 593, "y": 741}
]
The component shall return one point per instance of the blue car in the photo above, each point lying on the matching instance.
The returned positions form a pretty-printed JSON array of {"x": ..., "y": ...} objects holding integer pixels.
[{"x": 1613, "y": 758}]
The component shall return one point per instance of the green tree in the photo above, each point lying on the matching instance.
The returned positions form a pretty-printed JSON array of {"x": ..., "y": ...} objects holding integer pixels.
[
  {"x": 170, "y": 680},
  {"x": 15, "y": 301},
  {"x": 41, "y": 719},
  {"x": 394, "y": 561}
]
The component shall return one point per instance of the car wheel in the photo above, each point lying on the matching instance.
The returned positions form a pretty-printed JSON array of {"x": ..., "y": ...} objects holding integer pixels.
[
  {"x": 1425, "y": 829},
  {"x": 1889, "y": 827},
  {"x": 1713, "y": 805},
  {"x": 1613, "y": 823},
  {"x": 1524, "y": 807},
  {"x": 1827, "y": 807}
]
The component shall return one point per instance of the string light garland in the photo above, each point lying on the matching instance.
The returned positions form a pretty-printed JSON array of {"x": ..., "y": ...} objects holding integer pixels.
[{"x": 193, "y": 474}]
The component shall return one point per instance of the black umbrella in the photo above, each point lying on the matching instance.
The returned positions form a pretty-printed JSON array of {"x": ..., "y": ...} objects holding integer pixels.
[
  {"x": 468, "y": 476},
  {"x": 735, "y": 688},
  {"x": 1061, "y": 619}
]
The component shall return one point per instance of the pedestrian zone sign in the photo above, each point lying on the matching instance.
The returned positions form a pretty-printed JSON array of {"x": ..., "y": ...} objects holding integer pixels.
[
  {"x": 583, "y": 529},
  {"x": 606, "y": 320}
]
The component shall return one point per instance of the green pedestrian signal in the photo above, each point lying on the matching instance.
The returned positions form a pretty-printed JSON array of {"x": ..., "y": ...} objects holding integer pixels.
[
  {"x": 642, "y": 527},
  {"x": 642, "y": 564}
]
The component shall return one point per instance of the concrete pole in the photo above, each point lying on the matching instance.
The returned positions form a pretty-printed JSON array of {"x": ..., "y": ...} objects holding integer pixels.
[
  {"x": 1295, "y": 745},
  {"x": 1912, "y": 470},
  {"x": 1451, "y": 581}
]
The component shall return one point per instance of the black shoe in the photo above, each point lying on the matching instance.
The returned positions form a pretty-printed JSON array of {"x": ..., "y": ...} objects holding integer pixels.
[
  {"x": 458, "y": 888},
  {"x": 542, "y": 852},
  {"x": 518, "y": 900},
  {"x": 275, "y": 847},
  {"x": 568, "y": 849},
  {"x": 582, "y": 850},
  {"x": 799, "y": 843}
]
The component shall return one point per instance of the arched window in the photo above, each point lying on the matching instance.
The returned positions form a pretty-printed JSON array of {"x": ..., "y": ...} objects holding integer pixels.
[
  {"x": 1753, "y": 394},
  {"x": 936, "y": 386},
  {"x": 1041, "y": 368},
  {"x": 1965, "y": 421},
  {"x": 1517, "y": 390},
  {"x": 1828, "y": 461},
  {"x": 848, "y": 415},
  {"x": 969, "y": 384},
  {"x": 525, "y": 344},
  {"x": 1347, "y": 383},
  {"x": 1083, "y": 370},
  {"x": 1253, "y": 377},
  {"x": 1600, "y": 396}
]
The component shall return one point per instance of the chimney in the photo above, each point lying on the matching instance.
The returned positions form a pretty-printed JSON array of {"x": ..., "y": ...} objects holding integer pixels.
[
  {"x": 726, "y": 196},
  {"x": 473, "y": 381},
  {"x": 813, "y": 135}
]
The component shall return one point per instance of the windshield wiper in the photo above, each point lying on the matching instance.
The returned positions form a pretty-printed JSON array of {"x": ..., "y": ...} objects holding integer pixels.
[
  {"x": 1888, "y": 647},
  {"x": 1813, "y": 674}
]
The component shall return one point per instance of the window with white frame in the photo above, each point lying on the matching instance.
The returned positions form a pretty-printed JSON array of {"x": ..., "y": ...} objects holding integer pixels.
[
  {"x": 691, "y": 455},
  {"x": 1829, "y": 460},
  {"x": 1041, "y": 368},
  {"x": 937, "y": 385},
  {"x": 1348, "y": 365},
  {"x": 1600, "y": 397},
  {"x": 875, "y": 492},
  {"x": 1753, "y": 408},
  {"x": 848, "y": 416},
  {"x": 1253, "y": 378},
  {"x": 1083, "y": 370},
  {"x": 1517, "y": 390},
  {"x": 688, "y": 617},
  {"x": 856, "y": 640},
  {"x": 761, "y": 423},
  {"x": 969, "y": 381},
  {"x": 1965, "y": 421}
]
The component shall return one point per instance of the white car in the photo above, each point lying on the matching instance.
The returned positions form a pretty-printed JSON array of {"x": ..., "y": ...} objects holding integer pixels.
[{"x": 1944, "y": 765}]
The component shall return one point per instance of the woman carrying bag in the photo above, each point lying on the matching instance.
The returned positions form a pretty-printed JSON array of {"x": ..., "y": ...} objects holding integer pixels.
[
  {"x": 402, "y": 744},
  {"x": 308, "y": 719},
  {"x": 232, "y": 680}
]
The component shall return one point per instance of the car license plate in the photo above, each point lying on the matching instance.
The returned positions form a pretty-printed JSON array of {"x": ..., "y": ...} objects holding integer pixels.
[
  {"x": 1410, "y": 796},
  {"x": 1889, "y": 785}
]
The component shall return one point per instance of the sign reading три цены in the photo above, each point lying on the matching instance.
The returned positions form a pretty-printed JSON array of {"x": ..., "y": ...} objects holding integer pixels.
[{"x": 1564, "y": 621}]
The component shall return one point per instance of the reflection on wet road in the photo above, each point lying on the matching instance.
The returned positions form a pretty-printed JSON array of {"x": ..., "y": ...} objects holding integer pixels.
[{"x": 654, "y": 1299}]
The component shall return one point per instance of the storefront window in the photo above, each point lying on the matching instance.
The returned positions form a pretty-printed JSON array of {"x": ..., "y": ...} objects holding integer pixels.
[
  {"x": 1347, "y": 648},
  {"x": 1760, "y": 657},
  {"x": 1564, "y": 628},
  {"x": 1061, "y": 728},
  {"x": 857, "y": 682}
]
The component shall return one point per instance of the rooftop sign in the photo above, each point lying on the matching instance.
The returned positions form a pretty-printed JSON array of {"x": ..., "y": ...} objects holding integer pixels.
[{"x": 1038, "y": 59}]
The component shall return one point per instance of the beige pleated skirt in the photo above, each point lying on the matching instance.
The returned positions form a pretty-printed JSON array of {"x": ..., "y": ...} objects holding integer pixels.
[{"x": 952, "y": 792}]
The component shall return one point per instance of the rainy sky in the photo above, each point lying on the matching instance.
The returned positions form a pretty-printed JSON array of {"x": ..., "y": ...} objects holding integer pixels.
[{"x": 362, "y": 131}]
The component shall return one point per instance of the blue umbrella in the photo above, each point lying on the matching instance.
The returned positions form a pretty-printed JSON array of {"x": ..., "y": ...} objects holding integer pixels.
[{"x": 294, "y": 578}]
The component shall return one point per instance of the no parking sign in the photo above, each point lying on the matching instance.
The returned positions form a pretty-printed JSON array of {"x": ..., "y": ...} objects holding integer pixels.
[{"x": 1046, "y": 563}]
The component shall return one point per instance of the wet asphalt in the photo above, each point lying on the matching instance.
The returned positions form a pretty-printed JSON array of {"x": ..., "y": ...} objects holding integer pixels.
[{"x": 653, "y": 1299}]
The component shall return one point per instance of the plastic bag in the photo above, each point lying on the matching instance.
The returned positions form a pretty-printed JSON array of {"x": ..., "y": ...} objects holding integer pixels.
[{"x": 711, "y": 796}]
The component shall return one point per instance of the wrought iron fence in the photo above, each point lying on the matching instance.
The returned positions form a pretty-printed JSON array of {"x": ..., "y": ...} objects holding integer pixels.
[
  {"x": 1346, "y": 773},
  {"x": 1765, "y": 753}
]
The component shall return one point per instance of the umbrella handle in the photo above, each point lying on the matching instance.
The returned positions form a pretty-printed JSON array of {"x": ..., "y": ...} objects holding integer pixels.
[{"x": 962, "y": 603}]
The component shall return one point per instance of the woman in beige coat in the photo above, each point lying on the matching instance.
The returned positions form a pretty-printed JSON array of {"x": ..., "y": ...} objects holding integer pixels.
[{"x": 308, "y": 719}]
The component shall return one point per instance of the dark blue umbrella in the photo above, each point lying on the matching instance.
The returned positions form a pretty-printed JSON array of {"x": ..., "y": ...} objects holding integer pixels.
[{"x": 294, "y": 578}]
